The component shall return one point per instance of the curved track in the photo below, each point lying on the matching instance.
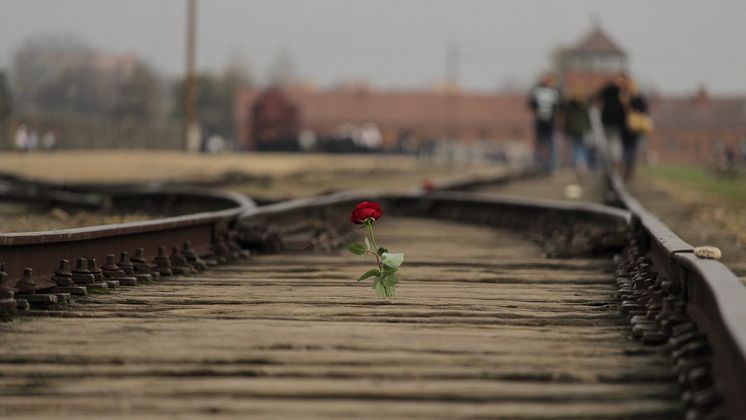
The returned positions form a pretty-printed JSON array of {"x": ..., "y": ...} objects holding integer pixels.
[
  {"x": 48, "y": 266},
  {"x": 513, "y": 316},
  {"x": 694, "y": 305}
]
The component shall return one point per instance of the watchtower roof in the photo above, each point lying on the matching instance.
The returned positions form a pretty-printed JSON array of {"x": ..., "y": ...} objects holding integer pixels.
[{"x": 597, "y": 41}]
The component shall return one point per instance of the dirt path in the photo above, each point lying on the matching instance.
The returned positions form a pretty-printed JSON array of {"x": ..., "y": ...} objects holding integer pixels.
[
  {"x": 264, "y": 175},
  {"x": 563, "y": 185},
  {"x": 483, "y": 327}
]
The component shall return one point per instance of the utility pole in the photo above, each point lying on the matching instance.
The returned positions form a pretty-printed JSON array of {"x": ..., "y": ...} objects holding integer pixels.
[
  {"x": 453, "y": 61},
  {"x": 191, "y": 126}
]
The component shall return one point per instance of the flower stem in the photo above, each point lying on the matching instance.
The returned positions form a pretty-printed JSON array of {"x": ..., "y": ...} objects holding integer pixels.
[
  {"x": 372, "y": 237},
  {"x": 369, "y": 224}
]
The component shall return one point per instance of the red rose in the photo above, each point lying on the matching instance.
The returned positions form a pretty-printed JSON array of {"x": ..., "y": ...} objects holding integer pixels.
[{"x": 365, "y": 210}]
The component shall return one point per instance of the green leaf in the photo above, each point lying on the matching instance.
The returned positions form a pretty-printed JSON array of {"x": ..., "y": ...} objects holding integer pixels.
[
  {"x": 390, "y": 291},
  {"x": 381, "y": 250},
  {"x": 380, "y": 289},
  {"x": 390, "y": 280},
  {"x": 392, "y": 259},
  {"x": 370, "y": 273},
  {"x": 356, "y": 249}
]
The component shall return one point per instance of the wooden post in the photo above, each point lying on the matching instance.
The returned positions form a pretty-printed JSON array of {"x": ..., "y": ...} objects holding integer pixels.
[{"x": 190, "y": 105}]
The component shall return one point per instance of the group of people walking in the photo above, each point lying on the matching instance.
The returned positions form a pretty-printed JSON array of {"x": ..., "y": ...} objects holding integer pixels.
[{"x": 603, "y": 129}]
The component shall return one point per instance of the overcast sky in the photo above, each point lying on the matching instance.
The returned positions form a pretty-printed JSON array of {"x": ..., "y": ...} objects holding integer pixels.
[{"x": 674, "y": 45}]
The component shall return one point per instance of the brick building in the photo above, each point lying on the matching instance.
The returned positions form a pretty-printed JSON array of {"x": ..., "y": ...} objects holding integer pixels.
[
  {"x": 425, "y": 115},
  {"x": 273, "y": 121},
  {"x": 698, "y": 128}
]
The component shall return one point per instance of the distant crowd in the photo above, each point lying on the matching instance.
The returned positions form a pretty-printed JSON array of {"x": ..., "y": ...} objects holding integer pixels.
[
  {"x": 27, "y": 140},
  {"x": 603, "y": 128}
]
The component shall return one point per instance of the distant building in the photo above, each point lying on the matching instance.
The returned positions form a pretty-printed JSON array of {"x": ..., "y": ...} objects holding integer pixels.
[
  {"x": 585, "y": 67},
  {"x": 423, "y": 115},
  {"x": 273, "y": 122},
  {"x": 698, "y": 128}
]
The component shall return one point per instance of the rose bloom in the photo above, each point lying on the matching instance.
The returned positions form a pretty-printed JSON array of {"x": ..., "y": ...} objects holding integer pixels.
[{"x": 365, "y": 210}]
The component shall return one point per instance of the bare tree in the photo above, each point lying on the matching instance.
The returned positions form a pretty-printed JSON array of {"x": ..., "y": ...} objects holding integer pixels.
[{"x": 62, "y": 74}]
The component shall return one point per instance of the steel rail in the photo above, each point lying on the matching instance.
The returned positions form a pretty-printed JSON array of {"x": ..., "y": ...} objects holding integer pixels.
[
  {"x": 714, "y": 299},
  {"x": 604, "y": 227},
  {"x": 587, "y": 211},
  {"x": 214, "y": 215}
]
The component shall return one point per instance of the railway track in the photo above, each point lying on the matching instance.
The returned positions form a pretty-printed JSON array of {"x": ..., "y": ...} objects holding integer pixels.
[
  {"x": 48, "y": 267},
  {"x": 508, "y": 308}
]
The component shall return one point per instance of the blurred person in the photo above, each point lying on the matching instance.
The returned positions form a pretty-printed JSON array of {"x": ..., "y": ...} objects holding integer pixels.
[
  {"x": 215, "y": 144},
  {"x": 726, "y": 161},
  {"x": 576, "y": 124},
  {"x": 730, "y": 158},
  {"x": 613, "y": 117},
  {"x": 49, "y": 141},
  {"x": 307, "y": 140},
  {"x": 637, "y": 125},
  {"x": 21, "y": 138},
  {"x": 371, "y": 137},
  {"x": 593, "y": 150},
  {"x": 544, "y": 100}
]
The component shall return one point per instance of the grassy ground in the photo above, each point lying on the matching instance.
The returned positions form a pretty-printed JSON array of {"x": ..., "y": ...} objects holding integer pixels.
[
  {"x": 700, "y": 206},
  {"x": 700, "y": 180},
  {"x": 712, "y": 197}
]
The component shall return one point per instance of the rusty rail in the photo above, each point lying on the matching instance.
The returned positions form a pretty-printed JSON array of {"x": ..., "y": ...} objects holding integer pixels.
[
  {"x": 203, "y": 228},
  {"x": 600, "y": 229},
  {"x": 402, "y": 203},
  {"x": 710, "y": 343}
]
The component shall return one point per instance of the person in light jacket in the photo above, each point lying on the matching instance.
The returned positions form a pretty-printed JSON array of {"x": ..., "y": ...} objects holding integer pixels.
[{"x": 544, "y": 100}]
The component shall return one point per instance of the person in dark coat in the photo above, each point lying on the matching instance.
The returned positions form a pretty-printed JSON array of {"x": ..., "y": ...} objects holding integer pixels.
[
  {"x": 613, "y": 117},
  {"x": 544, "y": 101}
]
